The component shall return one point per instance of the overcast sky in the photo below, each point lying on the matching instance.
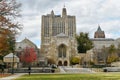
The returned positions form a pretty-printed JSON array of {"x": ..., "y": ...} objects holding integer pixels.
[{"x": 89, "y": 13}]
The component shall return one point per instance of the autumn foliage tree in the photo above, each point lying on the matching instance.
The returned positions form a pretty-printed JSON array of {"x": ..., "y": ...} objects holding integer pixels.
[
  {"x": 28, "y": 55},
  {"x": 9, "y": 27}
]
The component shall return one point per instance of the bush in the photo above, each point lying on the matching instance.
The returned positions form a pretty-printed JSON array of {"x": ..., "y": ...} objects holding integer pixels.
[
  {"x": 98, "y": 66},
  {"x": 74, "y": 60}
]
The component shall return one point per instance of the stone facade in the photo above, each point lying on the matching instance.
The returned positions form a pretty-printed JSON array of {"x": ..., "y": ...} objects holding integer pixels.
[
  {"x": 19, "y": 46},
  {"x": 58, "y": 37},
  {"x": 99, "y": 42}
]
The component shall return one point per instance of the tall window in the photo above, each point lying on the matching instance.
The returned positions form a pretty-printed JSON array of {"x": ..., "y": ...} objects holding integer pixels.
[{"x": 62, "y": 51}]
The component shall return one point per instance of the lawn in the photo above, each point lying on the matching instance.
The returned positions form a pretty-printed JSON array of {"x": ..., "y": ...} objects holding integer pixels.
[{"x": 94, "y": 76}]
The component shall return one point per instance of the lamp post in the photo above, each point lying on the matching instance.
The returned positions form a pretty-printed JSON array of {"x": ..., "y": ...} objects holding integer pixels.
[
  {"x": 12, "y": 47},
  {"x": 13, "y": 65}
]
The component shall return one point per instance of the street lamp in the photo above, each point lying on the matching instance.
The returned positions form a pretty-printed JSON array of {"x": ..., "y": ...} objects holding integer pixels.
[
  {"x": 12, "y": 47},
  {"x": 13, "y": 65}
]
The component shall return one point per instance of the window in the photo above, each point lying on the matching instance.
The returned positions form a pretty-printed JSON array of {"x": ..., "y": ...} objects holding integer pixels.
[{"x": 62, "y": 51}]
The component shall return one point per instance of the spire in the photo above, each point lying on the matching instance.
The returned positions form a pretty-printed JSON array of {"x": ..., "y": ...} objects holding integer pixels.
[
  {"x": 64, "y": 5},
  {"x": 64, "y": 11},
  {"x": 52, "y": 12},
  {"x": 99, "y": 33},
  {"x": 99, "y": 29}
]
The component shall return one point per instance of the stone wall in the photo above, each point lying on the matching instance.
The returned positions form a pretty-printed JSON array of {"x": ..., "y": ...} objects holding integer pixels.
[{"x": 35, "y": 70}]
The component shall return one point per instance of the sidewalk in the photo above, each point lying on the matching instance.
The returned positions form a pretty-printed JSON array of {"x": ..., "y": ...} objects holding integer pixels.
[{"x": 12, "y": 77}]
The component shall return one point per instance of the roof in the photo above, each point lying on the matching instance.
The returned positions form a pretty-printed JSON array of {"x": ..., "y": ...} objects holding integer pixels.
[
  {"x": 28, "y": 41},
  {"x": 9, "y": 58},
  {"x": 99, "y": 29},
  {"x": 102, "y": 39},
  {"x": 10, "y": 55},
  {"x": 25, "y": 43}
]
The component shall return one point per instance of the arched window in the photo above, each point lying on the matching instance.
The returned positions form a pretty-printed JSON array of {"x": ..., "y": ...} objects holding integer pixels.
[{"x": 62, "y": 51}]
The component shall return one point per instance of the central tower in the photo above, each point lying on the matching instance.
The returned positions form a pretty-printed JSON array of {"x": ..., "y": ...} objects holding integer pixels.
[{"x": 58, "y": 37}]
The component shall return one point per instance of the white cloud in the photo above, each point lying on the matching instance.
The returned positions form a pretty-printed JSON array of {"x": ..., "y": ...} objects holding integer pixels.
[{"x": 110, "y": 8}]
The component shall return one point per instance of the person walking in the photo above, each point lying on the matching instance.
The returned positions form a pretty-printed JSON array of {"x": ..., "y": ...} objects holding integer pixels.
[{"x": 29, "y": 70}]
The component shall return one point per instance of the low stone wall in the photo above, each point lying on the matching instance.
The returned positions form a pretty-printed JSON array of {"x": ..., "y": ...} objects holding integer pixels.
[{"x": 35, "y": 70}]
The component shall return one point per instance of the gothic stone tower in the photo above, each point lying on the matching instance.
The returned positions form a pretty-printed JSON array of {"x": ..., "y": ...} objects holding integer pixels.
[
  {"x": 58, "y": 38},
  {"x": 99, "y": 33}
]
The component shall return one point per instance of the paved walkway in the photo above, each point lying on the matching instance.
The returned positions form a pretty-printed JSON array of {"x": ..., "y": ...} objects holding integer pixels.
[{"x": 12, "y": 77}]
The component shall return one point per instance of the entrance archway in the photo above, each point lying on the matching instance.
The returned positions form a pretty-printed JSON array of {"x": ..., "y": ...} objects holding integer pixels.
[
  {"x": 65, "y": 63},
  {"x": 60, "y": 63}
]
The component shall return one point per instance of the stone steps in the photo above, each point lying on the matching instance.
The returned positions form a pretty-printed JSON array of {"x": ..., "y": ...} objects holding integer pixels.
[{"x": 75, "y": 70}]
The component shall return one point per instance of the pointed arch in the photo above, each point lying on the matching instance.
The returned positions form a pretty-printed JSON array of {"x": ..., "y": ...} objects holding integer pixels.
[{"x": 62, "y": 51}]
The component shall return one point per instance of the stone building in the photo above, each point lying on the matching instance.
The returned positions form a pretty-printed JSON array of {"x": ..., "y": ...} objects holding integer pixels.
[
  {"x": 99, "y": 41},
  {"x": 58, "y": 37},
  {"x": 20, "y": 46},
  {"x": 99, "y": 33}
]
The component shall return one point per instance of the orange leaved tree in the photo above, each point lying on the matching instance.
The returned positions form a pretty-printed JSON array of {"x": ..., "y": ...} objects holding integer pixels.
[{"x": 9, "y": 26}]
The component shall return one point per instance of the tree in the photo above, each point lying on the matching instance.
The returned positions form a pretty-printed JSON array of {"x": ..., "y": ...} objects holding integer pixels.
[
  {"x": 83, "y": 42},
  {"x": 112, "y": 54},
  {"x": 112, "y": 49},
  {"x": 104, "y": 54},
  {"x": 118, "y": 51},
  {"x": 9, "y": 27},
  {"x": 28, "y": 55}
]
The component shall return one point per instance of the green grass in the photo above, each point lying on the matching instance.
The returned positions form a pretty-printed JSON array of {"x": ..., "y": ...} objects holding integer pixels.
[{"x": 95, "y": 76}]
